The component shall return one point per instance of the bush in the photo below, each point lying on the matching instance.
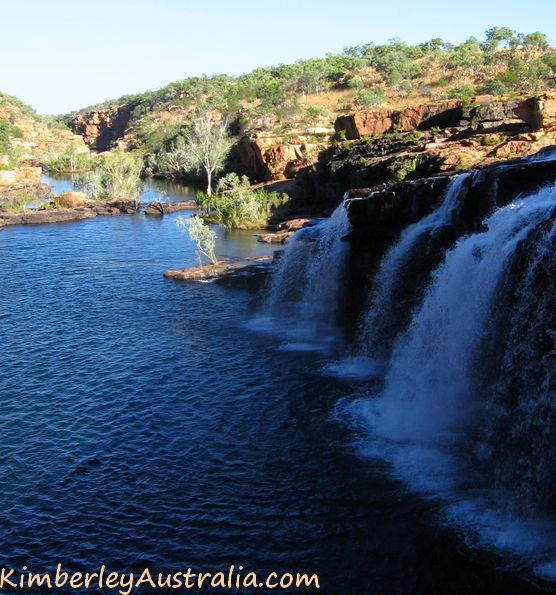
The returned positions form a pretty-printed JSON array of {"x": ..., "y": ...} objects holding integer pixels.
[
  {"x": 7, "y": 132},
  {"x": 241, "y": 209},
  {"x": 70, "y": 161},
  {"x": 116, "y": 177},
  {"x": 461, "y": 92},
  {"x": 232, "y": 181},
  {"x": 370, "y": 98}
]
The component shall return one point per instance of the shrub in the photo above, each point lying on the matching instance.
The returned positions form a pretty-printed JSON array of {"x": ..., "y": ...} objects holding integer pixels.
[
  {"x": 370, "y": 98},
  {"x": 202, "y": 235},
  {"x": 70, "y": 161},
  {"x": 116, "y": 177},
  {"x": 7, "y": 132},
  {"x": 232, "y": 181},
  {"x": 315, "y": 112},
  {"x": 461, "y": 92},
  {"x": 241, "y": 209}
]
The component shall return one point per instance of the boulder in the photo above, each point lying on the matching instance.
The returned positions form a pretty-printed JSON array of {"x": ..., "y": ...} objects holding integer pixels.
[
  {"x": 157, "y": 208},
  {"x": 538, "y": 112},
  {"x": 364, "y": 123},
  {"x": 73, "y": 199}
]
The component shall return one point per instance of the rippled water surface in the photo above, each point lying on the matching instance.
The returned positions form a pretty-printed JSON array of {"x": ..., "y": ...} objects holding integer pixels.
[{"x": 146, "y": 422}]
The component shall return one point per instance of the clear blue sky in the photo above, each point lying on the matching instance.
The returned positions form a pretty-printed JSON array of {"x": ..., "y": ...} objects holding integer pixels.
[{"x": 59, "y": 55}]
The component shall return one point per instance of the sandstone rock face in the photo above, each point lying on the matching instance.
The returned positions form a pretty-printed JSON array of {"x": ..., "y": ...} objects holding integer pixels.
[
  {"x": 72, "y": 199},
  {"x": 475, "y": 135},
  {"x": 101, "y": 130},
  {"x": 7, "y": 177},
  {"x": 364, "y": 123},
  {"x": 538, "y": 112},
  {"x": 483, "y": 114},
  {"x": 271, "y": 157},
  {"x": 20, "y": 175}
]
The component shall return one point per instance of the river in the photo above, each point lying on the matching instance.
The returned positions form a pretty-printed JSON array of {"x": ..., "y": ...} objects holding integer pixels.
[{"x": 148, "y": 423}]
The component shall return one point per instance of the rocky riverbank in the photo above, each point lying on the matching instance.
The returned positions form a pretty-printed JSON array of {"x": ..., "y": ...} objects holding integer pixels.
[{"x": 74, "y": 206}]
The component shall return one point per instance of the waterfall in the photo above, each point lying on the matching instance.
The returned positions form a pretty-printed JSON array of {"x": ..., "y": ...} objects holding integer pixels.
[
  {"x": 305, "y": 290},
  {"x": 467, "y": 409},
  {"x": 429, "y": 385},
  {"x": 384, "y": 312},
  {"x": 455, "y": 356}
]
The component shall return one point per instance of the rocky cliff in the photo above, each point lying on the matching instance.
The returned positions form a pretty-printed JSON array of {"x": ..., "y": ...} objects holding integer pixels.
[
  {"x": 387, "y": 146},
  {"x": 102, "y": 130}
]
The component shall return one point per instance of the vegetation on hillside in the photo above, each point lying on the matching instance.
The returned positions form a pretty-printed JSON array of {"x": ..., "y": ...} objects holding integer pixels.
[
  {"x": 8, "y": 132},
  {"x": 309, "y": 93}
]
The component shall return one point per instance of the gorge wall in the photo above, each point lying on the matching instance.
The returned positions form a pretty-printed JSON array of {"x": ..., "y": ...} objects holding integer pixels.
[
  {"x": 425, "y": 140},
  {"x": 104, "y": 129}
]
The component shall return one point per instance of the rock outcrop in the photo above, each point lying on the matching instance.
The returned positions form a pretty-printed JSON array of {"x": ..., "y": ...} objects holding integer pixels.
[
  {"x": 446, "y": 137},
  {"x": 19, "y": 175},
  {"x": 157, "y": 208},
  {"x": 272, "y": 157},
  {"x": 248, "y": 271},
  {"x": 101, "y": 130},
  {"x": 483, "y": 113},
  {"x": 72, "y": 199}
]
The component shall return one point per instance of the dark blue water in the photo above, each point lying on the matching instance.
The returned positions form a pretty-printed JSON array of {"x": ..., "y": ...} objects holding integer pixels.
[{"x": 143, "y": 423}]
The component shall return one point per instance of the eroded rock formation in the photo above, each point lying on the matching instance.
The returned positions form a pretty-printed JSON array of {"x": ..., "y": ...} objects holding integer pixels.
[{"x": 101, "y": 130}]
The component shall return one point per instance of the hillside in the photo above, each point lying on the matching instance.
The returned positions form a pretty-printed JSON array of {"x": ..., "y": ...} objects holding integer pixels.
[
  {"x": 25, "y": 136},
  {"x": 297, "y": 104}
]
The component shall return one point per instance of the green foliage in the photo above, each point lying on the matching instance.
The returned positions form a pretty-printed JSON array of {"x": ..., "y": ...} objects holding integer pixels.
[
  {"x": 231, "y": 182},
  {"x": 7, "y": 132},
  {"x": 490, "y": 140},
  {"x": 25, "y": 109},
  {"x": 241, "y": 208},
  {"x": 400, "y": 169},
  {"x": 70, "y": 161},
  {"x": 505, "y": 62},
  {"x": 315, "y": 112},
  {"x": 117, "y": 176},
  {"x": 461, "y": 92},
  {"x": 16, "y": 204},
  {"x": 370, "y": 98},
  {"x": 202, "y": 235},
  {"x": 207, "y": 145}
]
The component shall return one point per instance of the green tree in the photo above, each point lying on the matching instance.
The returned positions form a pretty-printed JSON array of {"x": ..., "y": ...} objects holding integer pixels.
[{"x": 208, "y": 144}]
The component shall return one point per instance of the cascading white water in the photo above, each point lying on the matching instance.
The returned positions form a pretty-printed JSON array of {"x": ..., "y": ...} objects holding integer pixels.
[
  {"x": 392, "y": 269},
  {"x": 305, "y": 288},
  {"x": 428, "y": 418},
  {"x": 429, "y": 383}
]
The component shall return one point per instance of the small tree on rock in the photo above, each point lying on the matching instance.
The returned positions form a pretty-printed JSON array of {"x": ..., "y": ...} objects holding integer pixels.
[{"x": 202, "y": 235}]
